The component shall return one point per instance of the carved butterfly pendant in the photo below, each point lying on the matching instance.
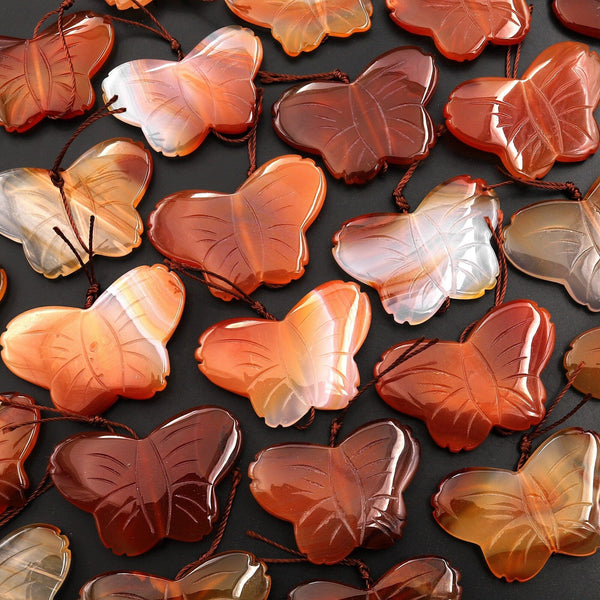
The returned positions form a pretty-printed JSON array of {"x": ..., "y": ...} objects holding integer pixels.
[
  {"x": 358, "y": 127},
  {"x": 3, "y": 283},
  {"x": 417, "y": 260},
  {"x": 301, "y": 25},
  {"x": 34, "y": 563},
  {"x": 461, "y": 30},
  {"x": 558, "y": 240},
  {"x": 286, "y": 367},
  {"x": 462, "y": 390},
  {"x": 519, "y": 519},
  {"x": 531, "y": 122},
  {"x": 36, "y": 80},
  {"x": 108, "y": 181},
  {"x": 585, "y": 348},
  {"x": 15, "y": 446},
  {"x": 343, "y": 497},
  {"x": 579, "y": 15},
  {"x": 123, "y": 4},
  {"x": 423, "y": 578},
  {"x": 255, "y": 235},
  {"x": 161, "y": 486},
  {"x": 229, "y": 576},
  {"x": 87, "y": 358},
  {"x": 178, "y": 103}
]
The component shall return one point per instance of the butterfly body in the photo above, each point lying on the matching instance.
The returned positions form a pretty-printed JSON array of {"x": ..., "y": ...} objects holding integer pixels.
[
  {"x": 178, "y": 103},
  {"x": 358, "y": 127},
  {"x": 141, "y": 491},
  {"x": 36, "y": 79}
]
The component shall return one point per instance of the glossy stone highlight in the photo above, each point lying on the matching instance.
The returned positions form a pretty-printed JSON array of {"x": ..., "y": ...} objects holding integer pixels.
[
  {"x": 343, "y": 497},
  {"x": 360, "y": 126},
  {"x": 87, "y": 358},
  {"x": 15, "y": 446},
  {"x": 559, "y": 240},
  {"x": 123, "y": 4},
  {"x": 519, "y": 519},
  {"x": 423, "y": 578},
  {"x": 585, "y": 348},
  {"x": 161, "y": 486},
  {"x": 177, "y": 104},
  {"x": 286, "y": 367},
  {"x": 301, "y": 25},
  {"x": 231, "y": 575},
  {"x": 255, "y": 235},
  {"x": 416, "y": 260},
  {"x": 461, "y": 30},
  {"x": 582, "y": 16},
  {"x": 492, "y": 379},
  {"x": 108, "y": 181},
  {"x": 36, "y": 80},
  {"x": 3, "y": 283},
  {"x": 34, "y": 563},
  {"x": 531, "y": 122}
]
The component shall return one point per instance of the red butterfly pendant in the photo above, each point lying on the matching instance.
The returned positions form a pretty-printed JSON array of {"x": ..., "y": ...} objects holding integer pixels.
[
  {"x": 37, "y": 80},
  {"x": 531, "y": 122},
  {"x": 143, "y": 490},
  {"x": 343, "y": 497},
  {"x": 358, "y": 127},
  {"x": 491, "y": 379},
  {"x": 582, "y": 16}
]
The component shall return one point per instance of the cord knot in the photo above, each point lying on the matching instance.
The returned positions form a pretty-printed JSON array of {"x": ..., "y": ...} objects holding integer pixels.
[
  {"x": 573, "y": 191},
  {"x": 66, "y": 4},
  {"x": 341, "y": 76},
  {"x": 57, "y": 179}
]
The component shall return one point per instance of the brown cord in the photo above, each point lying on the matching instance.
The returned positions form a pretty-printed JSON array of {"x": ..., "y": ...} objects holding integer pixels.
[
  {"x": 159, "y": 30},
  {"x": 232, "y": 288},
  {"x": 444, "y": 307},
  {"x": 307, "y": 422},
  {"x": 45, "y": 484},
  {"x": 526, "y": 442},
  {"x": 362, "y": 567},
  {"x": 568, "y": 187},
  {"x": 268, "y": 77},
  {"x": 513, "y": 73},
  {"x": 498, "y": 235},
  {"x": 65, "y": 416},
  {"x": 237, "y": 478},
  {"x": 416, "y": 348}
]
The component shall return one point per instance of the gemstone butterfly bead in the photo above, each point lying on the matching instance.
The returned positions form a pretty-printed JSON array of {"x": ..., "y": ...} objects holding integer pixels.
[
  {"x": 579, "y": 15},
  {"x": 584, "y": 349}
]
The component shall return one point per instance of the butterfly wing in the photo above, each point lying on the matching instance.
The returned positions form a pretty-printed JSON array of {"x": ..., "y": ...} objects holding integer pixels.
[
  {"x": 15, "y": 446},
  {"x": 339, "y": 498},
  {"x": 87, "y": 358},
  {"x": 254, "y": 236},
  {"x": 124, "y": 4},
  {"x": 36, "y": 79},
  {"x": 34, "y": 563},
  {"x": 579, "y": 15},
  {"x": 287, "y": 367},
  {"x": 177, "y": 103},
  {"x": 360, "y": 126},
  {"x": 141, "y": 491},
  {"x": 107, "y": 181},
  {"x": 301, "y": 25},
  {"x": 532, "y": 122},
  {"x": 416, "y": 261},
  {"x": 584, "y": 354},
  {"x": 234, "y": 574},
  {"x": 556, "y": 240},
  {"x": 462, "y": 30},
  {"x": 519, "y": 519}
]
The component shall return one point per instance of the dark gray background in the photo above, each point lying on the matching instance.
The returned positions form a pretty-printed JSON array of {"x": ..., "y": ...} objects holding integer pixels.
[{"x": 218, "y": 166}]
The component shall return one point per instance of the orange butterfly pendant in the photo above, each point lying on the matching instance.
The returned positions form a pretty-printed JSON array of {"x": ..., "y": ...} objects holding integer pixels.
[
  {"x": 531, "y": 122},
  {"x": 287, "y": 367},
  {"x": 3, "y": 283},
  {"x": 579, "y": 15},
  {"x": 585, "y": 348},
  {"x": 492, "y": 379},
  {"x": 124, "y": 4},
  {"x": 559, "y": 240},
  {"x": 461, "y": 30},
  {"x": 343, "y": 497},
  {"x": 15, "y": 446},
  {"x": 178, "y": 103},
  {"x": 301, "y": 25},
  {"x": 236, "y": 575},
  {"x": 423, "y": 578},
  {"x": 141, "y": 491},
  {"x": 253, "y": 236},
  {"x": 417, "y": 260},
  {"x": 36, "y": 79},
  {"x": 359, "y": 127},
  {"x": 87, "y": 358},
  {"x": 108, "y": 181},
  {"x": 519, "y": 519}
]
